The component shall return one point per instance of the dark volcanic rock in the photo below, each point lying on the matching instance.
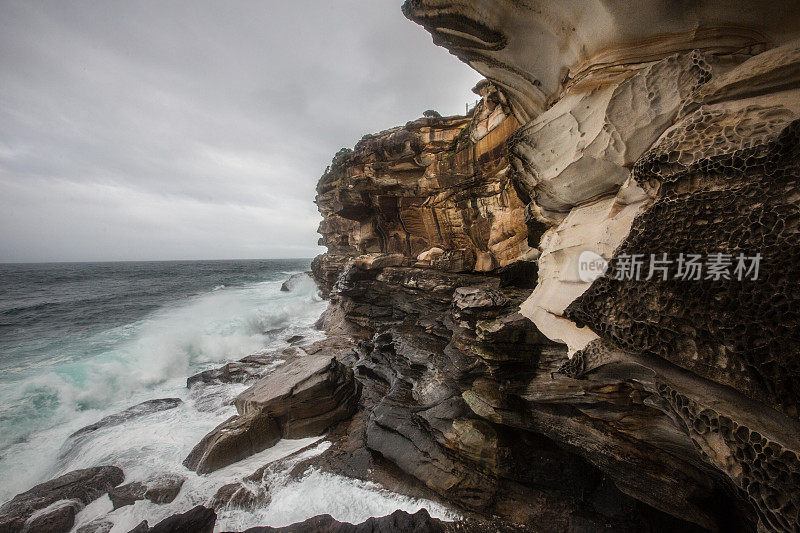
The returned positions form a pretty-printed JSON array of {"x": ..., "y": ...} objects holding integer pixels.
[
  {"x": 299, "y": 399},
  {"x": 79, "y": 487},
  {"x": 419, "y": 522}
]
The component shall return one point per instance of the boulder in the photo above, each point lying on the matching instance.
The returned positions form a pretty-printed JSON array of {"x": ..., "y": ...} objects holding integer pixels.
[
  {"x": 99, "y": 525},
  {"x": 127, "y": 494},
  {"x": 78, "y": 487},
  {"x": 197, "y": 520},
  {"x": 296, "y": 280},
  {"x": 241, "y": 371},
  {"x": 164, "y": 488},
  {"x": 240, "y": 495},
  {"x": 295, "y": 339},
  {"x": 56, "y": 518},
  {"x": 233, "y": 440},
  {"x": 307, "y": 396},
  {"x": 301, "y": 398},
  {"x": 158, "y": 489}
]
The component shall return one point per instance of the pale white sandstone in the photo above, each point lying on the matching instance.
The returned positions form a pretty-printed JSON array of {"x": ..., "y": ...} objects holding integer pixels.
[
  {"x": 429, "y": 254},
  {"x": 770, "y": 72},
  {"x": 598, "y": 226},
  {"x": 377, "y": 261},
  {"x": 532, "y": 50},
  {"x": 583, "y": 147}
]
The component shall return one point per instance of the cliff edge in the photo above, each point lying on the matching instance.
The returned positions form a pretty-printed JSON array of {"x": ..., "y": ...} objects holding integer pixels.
[{"x": 495, "y": 369}]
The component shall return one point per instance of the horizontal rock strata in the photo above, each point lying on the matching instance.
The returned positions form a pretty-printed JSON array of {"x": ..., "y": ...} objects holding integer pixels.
[
  {"x": 471, "y": 359},
  {"x": 494, "y": 371}
]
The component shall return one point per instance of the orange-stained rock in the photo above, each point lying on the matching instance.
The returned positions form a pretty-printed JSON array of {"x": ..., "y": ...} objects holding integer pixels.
[{"x": 434, "y": 183}]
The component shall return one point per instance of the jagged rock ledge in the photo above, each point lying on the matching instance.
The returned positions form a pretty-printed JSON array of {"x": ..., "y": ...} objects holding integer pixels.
[
  {"x": 467, "y": 359},
  {"x": 492, "y": 371}
]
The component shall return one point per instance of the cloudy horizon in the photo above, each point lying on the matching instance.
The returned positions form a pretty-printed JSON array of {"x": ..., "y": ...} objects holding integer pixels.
[{"x": 196, "y": 130}]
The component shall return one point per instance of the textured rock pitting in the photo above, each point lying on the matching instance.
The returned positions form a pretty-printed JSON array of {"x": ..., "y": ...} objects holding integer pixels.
[{"x": 635, "y": 131}]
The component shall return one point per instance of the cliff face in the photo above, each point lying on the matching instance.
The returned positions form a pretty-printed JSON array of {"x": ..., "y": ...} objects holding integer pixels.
[
  {"x": 495, "y": 371},
  {"x": 434, "y": 193}
]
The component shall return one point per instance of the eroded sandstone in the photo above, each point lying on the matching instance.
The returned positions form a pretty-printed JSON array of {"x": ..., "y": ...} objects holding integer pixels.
[{"x": 630, "y": 130}]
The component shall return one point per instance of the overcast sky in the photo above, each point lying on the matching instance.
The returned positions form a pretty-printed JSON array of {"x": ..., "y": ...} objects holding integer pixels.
[{"x": 142, "y": 130}]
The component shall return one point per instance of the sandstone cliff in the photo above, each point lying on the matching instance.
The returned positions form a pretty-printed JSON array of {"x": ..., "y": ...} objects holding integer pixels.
[{"x": 493, "y": 371}]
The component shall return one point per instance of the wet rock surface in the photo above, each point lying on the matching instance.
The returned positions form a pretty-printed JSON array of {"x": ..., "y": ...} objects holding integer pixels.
[
  {"x": 498, "y": 377},
  {"x": 100, "y": 525},
  {"x": 295, "y": 281},
  {"x": 419, "y": 522},
  {"x": 300, "y": 398},
  {"x": 196, "y": 520},
  {"x": 56, "y": 518},
  {"x": 233, "y": 440},
  {"x": 246, "y": 369},
  {"x": 240, "y": 495},
  {"x": 144, "y": 408},
  {"x": 53, "y": 504},
  {"x": 161, "y": 488}
]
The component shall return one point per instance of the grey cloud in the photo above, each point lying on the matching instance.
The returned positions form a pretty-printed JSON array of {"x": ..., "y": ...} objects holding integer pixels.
[{"x": 191, "y": 129}]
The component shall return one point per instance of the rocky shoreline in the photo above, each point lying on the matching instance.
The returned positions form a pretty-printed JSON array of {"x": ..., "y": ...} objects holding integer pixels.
[{"x": 467, "y": 360}]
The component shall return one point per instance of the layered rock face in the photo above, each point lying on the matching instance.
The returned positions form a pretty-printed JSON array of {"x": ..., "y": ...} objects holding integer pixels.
[
  {"x": 493, "y": 369},
  {"x": 434, "y": 192}
]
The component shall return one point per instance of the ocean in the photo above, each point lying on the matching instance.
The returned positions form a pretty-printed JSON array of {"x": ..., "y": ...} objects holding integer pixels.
[{"x": 81, "y": 341}]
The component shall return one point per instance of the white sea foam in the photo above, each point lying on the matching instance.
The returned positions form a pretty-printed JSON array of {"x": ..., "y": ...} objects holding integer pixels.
[
  {"x": 151, "y": 359},
  {"x": 197, "y": 490},
  {"x": 346, "y": 499},
  {"x": 144, "y": 360}
]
